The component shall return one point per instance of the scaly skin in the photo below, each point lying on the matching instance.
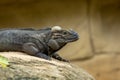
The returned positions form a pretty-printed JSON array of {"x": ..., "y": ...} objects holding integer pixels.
[{"x": 43, "y": 43}]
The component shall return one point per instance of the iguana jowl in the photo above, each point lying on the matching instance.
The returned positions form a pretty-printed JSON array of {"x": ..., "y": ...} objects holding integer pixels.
[{"x": 43, "y": 43}]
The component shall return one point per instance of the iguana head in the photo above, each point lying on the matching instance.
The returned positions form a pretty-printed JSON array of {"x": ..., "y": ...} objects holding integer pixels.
[{"x": 64, "y": 35}]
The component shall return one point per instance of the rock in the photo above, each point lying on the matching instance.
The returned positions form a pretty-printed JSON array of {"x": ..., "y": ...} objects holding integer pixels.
[
  {"x": 25, "y": 67},
  {"x": 105, "y": 26},
  {"x": 103, "y": 66}
]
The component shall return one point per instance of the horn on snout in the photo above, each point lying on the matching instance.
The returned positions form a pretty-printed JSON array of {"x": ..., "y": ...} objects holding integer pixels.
[
  {"x": 56, "y": 28},
  {"x": 73, "y": 32}
]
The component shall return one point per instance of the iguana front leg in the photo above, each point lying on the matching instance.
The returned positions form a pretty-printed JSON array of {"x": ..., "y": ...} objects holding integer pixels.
[
  {"x": 56, "y": 56},
  {"x": 32, "y": 49}
]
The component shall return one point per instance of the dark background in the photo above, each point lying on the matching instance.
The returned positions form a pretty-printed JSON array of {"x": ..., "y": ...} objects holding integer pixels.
[{"x": 96, "y": 21}]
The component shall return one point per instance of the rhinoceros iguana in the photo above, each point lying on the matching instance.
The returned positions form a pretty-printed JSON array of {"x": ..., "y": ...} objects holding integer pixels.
[{"x": 43, "y": 43}]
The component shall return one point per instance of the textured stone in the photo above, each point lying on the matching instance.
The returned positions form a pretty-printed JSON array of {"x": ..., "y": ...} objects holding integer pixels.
[
  {"x": 32, "y": 68},
  {"x": 103, "y": 66},
  {"x": 105, "y": 21}
]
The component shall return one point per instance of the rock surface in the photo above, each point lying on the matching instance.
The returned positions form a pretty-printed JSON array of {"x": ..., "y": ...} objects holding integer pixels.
[{"x": 25, "y": 67}]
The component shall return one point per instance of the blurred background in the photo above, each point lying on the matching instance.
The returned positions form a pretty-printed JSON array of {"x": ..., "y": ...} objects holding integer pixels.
[{"x": 97, "y": 22}]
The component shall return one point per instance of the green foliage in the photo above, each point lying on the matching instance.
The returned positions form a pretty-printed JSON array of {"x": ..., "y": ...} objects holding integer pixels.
[{"x": 3, "y": 62}]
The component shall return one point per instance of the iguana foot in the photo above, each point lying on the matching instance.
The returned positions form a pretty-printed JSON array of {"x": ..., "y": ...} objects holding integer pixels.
[
  {"x": 56, "y": 56},
  {"x": 41, "y": 55}
]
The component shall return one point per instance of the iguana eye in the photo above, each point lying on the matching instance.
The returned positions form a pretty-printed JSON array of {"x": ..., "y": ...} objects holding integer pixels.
[{"x": 65, "y": 33}]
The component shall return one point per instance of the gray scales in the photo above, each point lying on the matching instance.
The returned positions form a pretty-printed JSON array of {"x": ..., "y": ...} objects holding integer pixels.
[{"x": 43, "y": 43}]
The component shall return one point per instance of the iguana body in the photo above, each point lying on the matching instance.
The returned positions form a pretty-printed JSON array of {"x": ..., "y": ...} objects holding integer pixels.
[{"x": 43, "y": 43}]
